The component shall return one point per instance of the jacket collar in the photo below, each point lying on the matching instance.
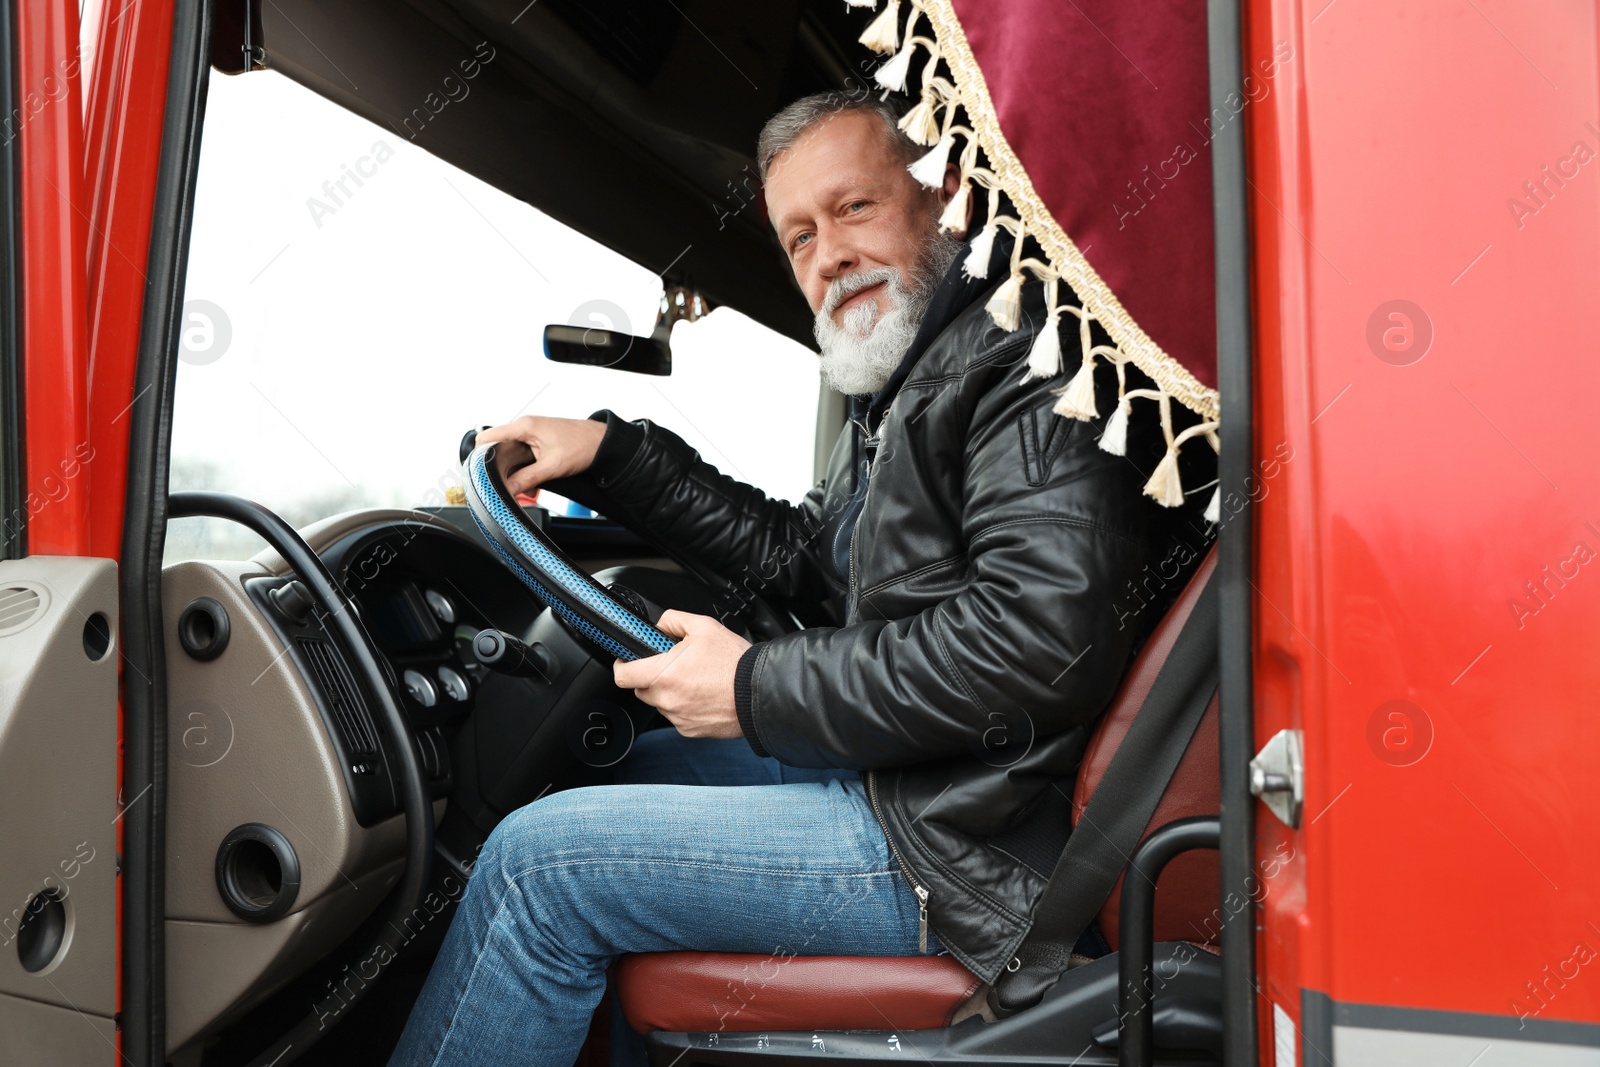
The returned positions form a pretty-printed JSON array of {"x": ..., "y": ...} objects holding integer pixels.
[{"x": 956, "y": 292}]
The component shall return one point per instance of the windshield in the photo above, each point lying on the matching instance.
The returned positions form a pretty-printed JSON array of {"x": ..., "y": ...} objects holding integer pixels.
[{"x": 354, "y": 305}]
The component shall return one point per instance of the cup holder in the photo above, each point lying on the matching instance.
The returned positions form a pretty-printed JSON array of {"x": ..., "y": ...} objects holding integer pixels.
[{"x": 258, "y": 873}]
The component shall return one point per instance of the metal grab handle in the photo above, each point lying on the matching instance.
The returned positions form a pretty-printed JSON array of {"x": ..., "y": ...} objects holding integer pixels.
[{"x": 1136, "y": 988}]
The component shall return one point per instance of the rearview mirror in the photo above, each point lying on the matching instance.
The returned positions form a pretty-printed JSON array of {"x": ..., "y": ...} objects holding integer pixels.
[{"x": 594, "y": 347}]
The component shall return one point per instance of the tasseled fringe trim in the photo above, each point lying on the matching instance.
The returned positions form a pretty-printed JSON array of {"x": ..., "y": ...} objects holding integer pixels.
[
  {"x": 1077, "y": 399},
  {"x": 954, "y": 218},
  {"x": 892, "y": 75},
  {"x": 977, "y": 261},
  {"x": 1165, "y": 486},
  {"x": 931, "y": 123},
  {"x": 1005, "y": 306},
  {"x": 1114, "y": 438},
  {"x": 883, "y": 36},
  {"x": 929, "y": 170},
  {"x": 1044, "y": 358},
  {"x": 1077, "y": 396},
  {"x": 920, "y": 124}
]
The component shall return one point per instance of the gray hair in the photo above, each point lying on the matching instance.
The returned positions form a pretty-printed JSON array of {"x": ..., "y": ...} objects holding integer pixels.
[{"x": 784, "y": 129}]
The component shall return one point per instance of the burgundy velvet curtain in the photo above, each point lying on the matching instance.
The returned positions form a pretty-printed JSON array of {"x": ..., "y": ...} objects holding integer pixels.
[{"x": 1105, "y": 103}]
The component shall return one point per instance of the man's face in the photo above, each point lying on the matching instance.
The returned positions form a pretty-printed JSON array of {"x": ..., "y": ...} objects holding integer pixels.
[{"x": 842, "y": 202}]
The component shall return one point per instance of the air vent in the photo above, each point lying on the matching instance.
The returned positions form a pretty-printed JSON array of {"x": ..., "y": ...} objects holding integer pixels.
[
  {"x": 19, "y": 604},
  {"x": 350, "y": 715}
]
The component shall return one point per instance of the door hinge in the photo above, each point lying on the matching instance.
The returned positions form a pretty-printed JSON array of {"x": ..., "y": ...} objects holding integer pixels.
[{"x": 1278, "y": 776}]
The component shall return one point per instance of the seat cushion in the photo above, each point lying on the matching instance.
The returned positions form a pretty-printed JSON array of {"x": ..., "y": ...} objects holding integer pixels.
[{"x": 724, "y": 991}]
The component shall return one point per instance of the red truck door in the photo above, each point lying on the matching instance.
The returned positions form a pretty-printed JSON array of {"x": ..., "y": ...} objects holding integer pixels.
[
  {"x": 58, "y": 604},
  {"x": 1426, "y": 204}
]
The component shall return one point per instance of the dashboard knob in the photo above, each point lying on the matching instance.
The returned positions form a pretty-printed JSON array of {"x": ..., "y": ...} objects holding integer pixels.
[{"x": 293, "y": 600}]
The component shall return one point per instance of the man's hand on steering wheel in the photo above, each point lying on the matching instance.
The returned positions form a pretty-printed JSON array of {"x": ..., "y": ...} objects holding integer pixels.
[
  {"x": 692, "y": 685},
  {"x": 561, "y": 447}
]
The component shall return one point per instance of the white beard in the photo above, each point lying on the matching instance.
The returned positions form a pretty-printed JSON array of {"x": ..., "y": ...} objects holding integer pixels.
[{"x": 860, "y": 356}]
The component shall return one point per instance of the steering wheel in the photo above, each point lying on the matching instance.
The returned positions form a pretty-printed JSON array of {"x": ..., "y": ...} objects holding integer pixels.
[
  {"x": 410, "y": 782},
  {"x": 596, "y": 613}
]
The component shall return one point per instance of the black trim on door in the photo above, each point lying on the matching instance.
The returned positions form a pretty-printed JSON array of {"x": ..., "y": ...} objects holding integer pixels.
[
  {"x": 144, "y": 977},
  {"x": 13, "y": 441},
  {"x": 1230, "y": 213}
]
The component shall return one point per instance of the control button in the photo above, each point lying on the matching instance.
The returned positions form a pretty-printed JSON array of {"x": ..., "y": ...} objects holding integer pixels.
[
  {"x": 420, "y": 687},
  {"x": 506, "y": 654},
  {"x": 440, "y": 605},
  {"x": 454, "y": 686}
]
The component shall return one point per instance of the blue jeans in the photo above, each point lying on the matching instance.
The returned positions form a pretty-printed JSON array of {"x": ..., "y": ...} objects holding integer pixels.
[{"x": 777, "y": 860}]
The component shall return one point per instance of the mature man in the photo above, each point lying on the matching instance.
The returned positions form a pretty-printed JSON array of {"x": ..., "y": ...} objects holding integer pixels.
[{"x": 975, "y": 543}]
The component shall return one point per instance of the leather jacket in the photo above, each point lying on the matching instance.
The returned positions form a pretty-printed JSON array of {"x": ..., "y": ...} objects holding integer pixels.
[{"x": 982, "y": 552}]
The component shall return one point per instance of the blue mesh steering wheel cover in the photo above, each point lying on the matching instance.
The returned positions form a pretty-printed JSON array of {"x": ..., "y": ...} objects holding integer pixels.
[{"x": 555, "y": 581}]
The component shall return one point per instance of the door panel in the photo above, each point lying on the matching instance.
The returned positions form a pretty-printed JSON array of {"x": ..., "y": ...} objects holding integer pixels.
[
  {"x": 43, "y": 1033},
  {"x": 58, "y": 773}
]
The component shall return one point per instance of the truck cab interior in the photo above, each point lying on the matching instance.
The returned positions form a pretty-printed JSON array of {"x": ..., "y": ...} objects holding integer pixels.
[
  {"x": 339, "y": 742},
  {"x": 267, "y": 683}
]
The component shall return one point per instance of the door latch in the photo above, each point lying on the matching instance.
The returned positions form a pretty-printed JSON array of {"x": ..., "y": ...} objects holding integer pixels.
[{"x": 1278, "y": 777}]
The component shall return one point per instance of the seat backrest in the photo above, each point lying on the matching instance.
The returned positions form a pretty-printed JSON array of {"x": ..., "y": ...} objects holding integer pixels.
[{"x": 1188, "y": 895}]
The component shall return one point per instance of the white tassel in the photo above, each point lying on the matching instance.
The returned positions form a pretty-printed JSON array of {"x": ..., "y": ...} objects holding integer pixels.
[
  {"x": 848, "y": 4},
  {"x": 1165, "y": 487},
  {"x": 921, "y": 123},
  {"x": 1077, "y": 399},
  {"x": 1005, "y": 306},
  {"x": 1044, "y": 358},
  {"x": 883, "y": 36},
  {"x": 1115, "y": 437},
  {"x": 1214, "y": 509},
  {"x": 892, "y": 75},
  {"x": 977, "y": 261},
  {"x": 954, "y": 218},
  {"x": 929, "y": 170}
]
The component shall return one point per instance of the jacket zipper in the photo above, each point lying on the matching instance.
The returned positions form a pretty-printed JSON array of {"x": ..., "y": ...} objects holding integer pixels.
[
  {"x": 869, "y": 446},
  {"x": 850, "y": 603},
  {"x": 905, "y": 868}
]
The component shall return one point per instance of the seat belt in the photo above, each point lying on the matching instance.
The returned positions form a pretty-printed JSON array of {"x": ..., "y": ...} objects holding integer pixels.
[{"x": 1113, "y": 822}]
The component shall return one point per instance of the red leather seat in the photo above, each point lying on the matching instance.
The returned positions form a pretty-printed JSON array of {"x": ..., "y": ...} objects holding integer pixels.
[
  {"x": 718, "y": 991},
  {"x": 1188, "y": 894},
  {"x": 711, "y": 991}
]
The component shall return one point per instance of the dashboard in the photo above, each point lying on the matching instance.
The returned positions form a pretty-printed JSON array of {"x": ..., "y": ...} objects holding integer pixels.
[
  {"x": 490, "y": 741},
  {"x": 277, "y": 766}
]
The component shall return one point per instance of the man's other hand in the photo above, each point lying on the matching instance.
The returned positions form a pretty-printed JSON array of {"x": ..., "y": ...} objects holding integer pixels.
[
  {"x": 561, "y": 447},
  {"x": 693, "y": 684}
]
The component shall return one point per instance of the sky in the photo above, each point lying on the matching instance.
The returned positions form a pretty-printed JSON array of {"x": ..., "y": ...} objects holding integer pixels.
[{"x": 339, "y": 342}]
